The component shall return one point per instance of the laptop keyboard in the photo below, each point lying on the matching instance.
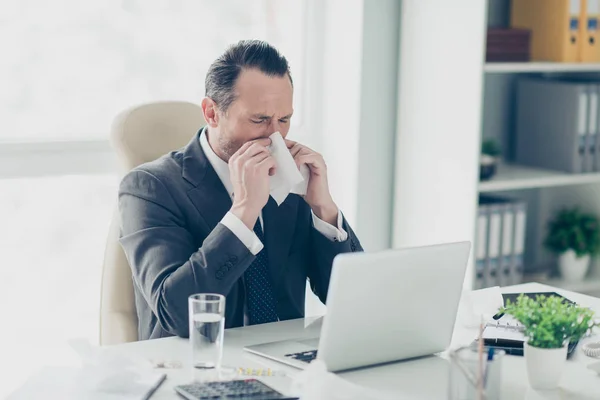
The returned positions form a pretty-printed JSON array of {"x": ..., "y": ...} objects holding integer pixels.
[{"x": 306, "y": 356}]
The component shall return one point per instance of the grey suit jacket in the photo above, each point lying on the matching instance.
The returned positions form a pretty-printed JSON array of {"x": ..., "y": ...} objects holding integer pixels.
[{"x": 170, "y": 231}]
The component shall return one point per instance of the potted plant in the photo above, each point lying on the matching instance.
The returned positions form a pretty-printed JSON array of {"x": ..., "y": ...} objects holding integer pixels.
[
  {"x": 575, "y": 237},
  {"x": 550, "y": 323},
  {"x": 490, "y": 153}
]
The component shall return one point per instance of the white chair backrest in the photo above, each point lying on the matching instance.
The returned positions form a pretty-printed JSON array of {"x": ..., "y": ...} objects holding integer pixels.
[{"x": 139, "y": 135}]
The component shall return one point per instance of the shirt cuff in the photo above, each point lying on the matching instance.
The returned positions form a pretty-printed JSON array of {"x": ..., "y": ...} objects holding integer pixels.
[
  {"x": 246, "y": 235},
  {"x": 329, "y": 231}
]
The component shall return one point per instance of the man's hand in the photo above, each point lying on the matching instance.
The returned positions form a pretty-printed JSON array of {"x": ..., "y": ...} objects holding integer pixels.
[
  {"x": 317, "y": 194},
  {"x": 250, "y": 168}
]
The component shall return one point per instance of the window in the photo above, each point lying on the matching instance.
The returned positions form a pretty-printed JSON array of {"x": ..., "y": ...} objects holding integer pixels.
[
  {"x": 52, "y": 239},
  {"x": 69, "y": 66}
]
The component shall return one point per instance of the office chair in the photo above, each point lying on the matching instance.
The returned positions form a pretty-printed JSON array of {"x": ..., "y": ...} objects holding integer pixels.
[{"x": 138, "y": 135}]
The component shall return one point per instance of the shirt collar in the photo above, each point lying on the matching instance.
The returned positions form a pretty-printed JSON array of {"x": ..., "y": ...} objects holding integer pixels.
[{"x": 220, "y": 166}]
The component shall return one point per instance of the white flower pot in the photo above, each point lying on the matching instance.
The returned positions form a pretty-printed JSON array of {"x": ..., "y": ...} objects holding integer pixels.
[
  {"x": 573, "y": 268},
  {"x": 545, "y": 366}
]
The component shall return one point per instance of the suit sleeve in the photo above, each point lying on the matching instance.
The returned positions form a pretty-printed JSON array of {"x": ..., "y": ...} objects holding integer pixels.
[
  {"x": 324, "y": 251},
  {"x": 167, "y": 266}
]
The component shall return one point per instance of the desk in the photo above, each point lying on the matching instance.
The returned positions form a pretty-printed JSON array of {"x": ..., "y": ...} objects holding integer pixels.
[{"x": 424, "y": 378}]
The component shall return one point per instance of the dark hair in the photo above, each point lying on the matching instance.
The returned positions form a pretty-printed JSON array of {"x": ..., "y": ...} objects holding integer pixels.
[{"x": 246, "y": 54}]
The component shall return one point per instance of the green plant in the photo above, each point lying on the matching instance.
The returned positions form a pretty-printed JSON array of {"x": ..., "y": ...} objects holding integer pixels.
[
  {"x": 550, "y": 322},
  {"x": 575, "y": 230},
  {"x": 490, "y": 147}
]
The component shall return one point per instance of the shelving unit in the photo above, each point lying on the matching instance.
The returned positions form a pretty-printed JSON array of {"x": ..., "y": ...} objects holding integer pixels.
[
  {"x": 532, "y": 67},
  {"x": 442, "y": 121},
  {"x": 543, "y": 190},
  {"x": 517, "y": 177}
]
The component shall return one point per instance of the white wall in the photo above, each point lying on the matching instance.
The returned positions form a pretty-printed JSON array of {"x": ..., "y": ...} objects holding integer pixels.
[
  {"x": 338, "y": 117},
  {"x": 358, "y": 117},
  {"x": 359, "y": 112},
  {"x": 340, "y": 120},
  {"x": 378, "y": 108},
  {"x": 440, "y": 92}
]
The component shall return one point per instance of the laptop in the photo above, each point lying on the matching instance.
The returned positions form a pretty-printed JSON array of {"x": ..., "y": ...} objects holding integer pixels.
[{"x": 382, "y": 307}]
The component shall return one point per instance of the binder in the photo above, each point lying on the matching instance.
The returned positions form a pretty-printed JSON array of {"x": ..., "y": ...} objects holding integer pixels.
[
  {"x": 481, "y": 233},
  {"x": 504, "y": 276},
  {"x": 589, "y": 35},
  {"x": 592, "y": 129},
  {"x": 520, "y": 220},
  {"x": 596, "y": 138},
  {"x": 555, "y": 27},
  {"x": 492, "y": 267},
  {"x": 552, "y": 124}
]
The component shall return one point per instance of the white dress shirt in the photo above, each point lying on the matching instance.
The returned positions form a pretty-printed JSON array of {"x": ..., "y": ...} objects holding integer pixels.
[{"x": 238, "y": 228}]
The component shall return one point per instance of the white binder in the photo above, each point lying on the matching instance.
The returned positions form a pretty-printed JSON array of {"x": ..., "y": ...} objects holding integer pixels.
[
  {"x": 592, "y": 130},
  {"x": 519, "y": 243},
  {"x": 494, "y": 240},
  {"x": 504, "y": 275},
  {"x": 481, "y": 233}
]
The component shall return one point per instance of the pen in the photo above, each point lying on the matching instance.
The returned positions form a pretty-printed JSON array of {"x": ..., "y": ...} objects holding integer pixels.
[
  {"x": 480, "y": 353},
  {"x": 490, "y": 358}
]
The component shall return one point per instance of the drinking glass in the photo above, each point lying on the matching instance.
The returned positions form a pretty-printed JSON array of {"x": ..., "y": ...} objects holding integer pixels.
[{"x": 207, "y": 325}]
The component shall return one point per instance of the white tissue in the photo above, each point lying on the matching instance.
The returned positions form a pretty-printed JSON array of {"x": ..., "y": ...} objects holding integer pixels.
[
  {"x": 287, "y": 179},
  {"x": 315, "y": 383}
]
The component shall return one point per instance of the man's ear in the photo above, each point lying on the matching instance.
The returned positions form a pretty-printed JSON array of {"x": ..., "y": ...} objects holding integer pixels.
[{"x": 210, "y": 110}]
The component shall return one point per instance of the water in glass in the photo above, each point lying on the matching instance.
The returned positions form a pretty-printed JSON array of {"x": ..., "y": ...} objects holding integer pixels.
[{"x": 207, "y": 340}]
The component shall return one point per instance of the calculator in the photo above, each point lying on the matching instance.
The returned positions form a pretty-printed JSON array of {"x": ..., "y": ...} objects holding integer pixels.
[{"x": 242, "y": 389}]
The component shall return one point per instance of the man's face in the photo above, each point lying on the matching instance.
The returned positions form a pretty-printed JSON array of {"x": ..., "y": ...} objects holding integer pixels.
[{"x": 263, "y": 105}]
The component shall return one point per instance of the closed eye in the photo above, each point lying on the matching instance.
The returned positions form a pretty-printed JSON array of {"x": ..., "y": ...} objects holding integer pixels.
[
  {"x": 258, "y": 121},
  {"x": 284, "y": 121}
]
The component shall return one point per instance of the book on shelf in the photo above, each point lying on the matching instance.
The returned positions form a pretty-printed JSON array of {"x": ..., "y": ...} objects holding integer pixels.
[{"x": 507, "y": 45}]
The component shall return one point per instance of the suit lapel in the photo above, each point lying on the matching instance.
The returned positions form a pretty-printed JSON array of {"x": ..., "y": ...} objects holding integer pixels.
[
  {"x": 212, "y": 202},
  {"x": 208, "y": 194},
  {"x": 280, "y": 223}
]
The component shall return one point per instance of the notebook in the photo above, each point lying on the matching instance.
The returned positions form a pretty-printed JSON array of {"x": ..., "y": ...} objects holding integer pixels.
[{"x": 506, "y": 333}]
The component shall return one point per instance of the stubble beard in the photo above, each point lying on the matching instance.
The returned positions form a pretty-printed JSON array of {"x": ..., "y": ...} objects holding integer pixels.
[{"x": 227, "y": 147}]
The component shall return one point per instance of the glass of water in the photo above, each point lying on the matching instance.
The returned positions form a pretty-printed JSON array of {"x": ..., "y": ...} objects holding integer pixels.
[{"x": 207, "y": 325}]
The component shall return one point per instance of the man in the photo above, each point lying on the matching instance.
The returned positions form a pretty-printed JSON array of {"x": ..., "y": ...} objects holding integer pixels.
[{"x": 200, "y": 219}]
